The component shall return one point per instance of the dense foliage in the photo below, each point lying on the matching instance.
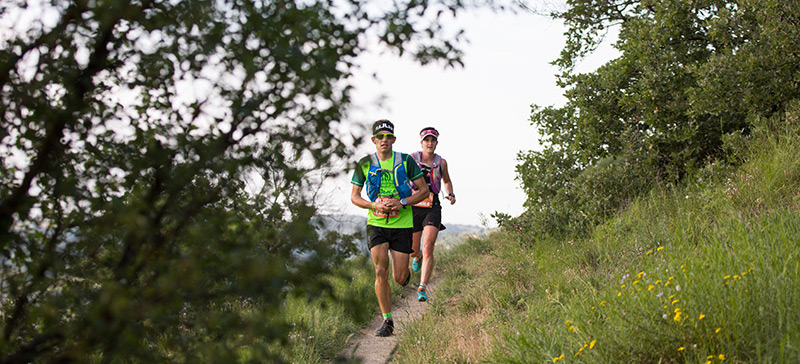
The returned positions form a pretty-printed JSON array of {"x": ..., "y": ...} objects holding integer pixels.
[
  {"x": 128, "y": 130},
  {"x": 690, "y": 75}
]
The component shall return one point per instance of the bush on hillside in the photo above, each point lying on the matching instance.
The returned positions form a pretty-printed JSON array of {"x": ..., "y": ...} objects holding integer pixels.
[{"x": 690, "y": 80}]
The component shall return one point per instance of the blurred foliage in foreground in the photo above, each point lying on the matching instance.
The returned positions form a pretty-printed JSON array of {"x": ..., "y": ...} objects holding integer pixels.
[{"x": 128, "y": 130}]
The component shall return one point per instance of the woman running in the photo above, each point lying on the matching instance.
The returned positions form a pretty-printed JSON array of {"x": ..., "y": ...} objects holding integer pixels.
[{"x": 428, "y": 213}]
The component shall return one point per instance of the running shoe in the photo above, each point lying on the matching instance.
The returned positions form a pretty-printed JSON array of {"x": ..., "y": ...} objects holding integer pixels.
[
  {"x": 422, "y": 296},
  {"x": 387, "y": 329},
  {"x": 416, "y": 265}
]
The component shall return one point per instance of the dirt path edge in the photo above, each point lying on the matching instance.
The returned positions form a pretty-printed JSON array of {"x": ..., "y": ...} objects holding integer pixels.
[{"x": 371, "y": 349}]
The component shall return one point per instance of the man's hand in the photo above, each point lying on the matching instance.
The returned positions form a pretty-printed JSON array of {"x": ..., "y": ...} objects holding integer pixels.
[{"x": 392, "y": 204}]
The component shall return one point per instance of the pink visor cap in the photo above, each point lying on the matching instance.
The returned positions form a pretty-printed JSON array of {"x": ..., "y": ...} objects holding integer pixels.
[{"x": 429, "y": 132}]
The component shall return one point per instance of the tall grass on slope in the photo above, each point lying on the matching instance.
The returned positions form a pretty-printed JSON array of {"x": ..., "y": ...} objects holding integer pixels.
[{"x": 697, "y": 275}]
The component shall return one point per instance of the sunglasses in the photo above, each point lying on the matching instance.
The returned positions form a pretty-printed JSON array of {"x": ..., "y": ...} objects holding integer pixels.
[{"x": 381, "y": 136}]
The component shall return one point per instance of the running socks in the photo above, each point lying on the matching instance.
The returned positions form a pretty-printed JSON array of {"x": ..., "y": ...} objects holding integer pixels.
[
  {"x": 387, "y": 316},
  {"x": 423, "y": 286}
]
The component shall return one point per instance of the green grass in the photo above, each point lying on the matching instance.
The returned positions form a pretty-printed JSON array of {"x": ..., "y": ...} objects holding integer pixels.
[{"x": 707, "y": 272}]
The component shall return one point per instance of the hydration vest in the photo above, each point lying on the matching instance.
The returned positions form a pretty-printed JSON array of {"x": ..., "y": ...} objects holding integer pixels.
[
  {"x": 401, "y": 183},
  {"x": 436, "y": 171}
]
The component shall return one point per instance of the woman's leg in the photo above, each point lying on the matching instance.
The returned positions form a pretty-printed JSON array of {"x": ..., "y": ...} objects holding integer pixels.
[{"x": 430, "y": 233}]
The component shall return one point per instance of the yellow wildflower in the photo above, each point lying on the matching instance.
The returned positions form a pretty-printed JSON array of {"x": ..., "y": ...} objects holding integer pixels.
[
  {"x": 591, "y": 344},
  {"x": 660, "y": 248},
  {"x": 681, "y": 348},
  {"x": 623, "y": 286},
  {"x": 728, "y": 277},
  {"x": 718, "y": 330},
  {"x": 649, "y": 252},
  {"x": 636, "y": 281},
  {"x": 702, "y": 316},
  {"x": 677, "y": 316},
  {"x": 721, "y": 356},
  {"x": 640, "y": 274},
  {"x": 710, "y": 357},
  {"x": 675, "y": 301},
  {"x": 602, "y": 303},
  {"x": 671, "y": 278},
  {"x": 737, "y": 277},
  {"x": 593, "y": 307},
  {"x": 650, "y": 287},
  {"x": 558, "y": 358},
  {"x": 619, "y": 294},
  {"x": 667, "y": 284},
  {"x": 658, "y": 281}
]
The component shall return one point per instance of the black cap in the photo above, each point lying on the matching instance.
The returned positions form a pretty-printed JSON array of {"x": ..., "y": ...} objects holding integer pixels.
[{"x": 382, "y": 124}]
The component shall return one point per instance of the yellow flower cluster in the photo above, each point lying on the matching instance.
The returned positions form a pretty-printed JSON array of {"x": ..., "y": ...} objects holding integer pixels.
[
  {"x": 736, "y": 277},
  {"x": 657, "y": 250},
  {"x": 586, "y": 346},
  {"x": 709, "y": 359}
]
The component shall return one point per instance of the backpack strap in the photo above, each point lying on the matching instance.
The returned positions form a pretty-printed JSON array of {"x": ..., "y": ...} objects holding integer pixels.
[
  {"x": 373, "y": 160},
  {"x": 436, "y": 173},
  {"x": 398, "y": 159},
  {"x": 417, "y": 156}
]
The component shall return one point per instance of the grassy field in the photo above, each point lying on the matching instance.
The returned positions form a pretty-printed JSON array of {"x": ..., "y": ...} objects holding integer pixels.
[{"x": 704, "y": 273}]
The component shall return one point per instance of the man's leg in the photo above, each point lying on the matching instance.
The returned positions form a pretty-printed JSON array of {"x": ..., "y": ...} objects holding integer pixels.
[
  {"x": 429, "y": 239},
  {"x": 380, "y": 257},
  {"x": 400, "y": 271}
]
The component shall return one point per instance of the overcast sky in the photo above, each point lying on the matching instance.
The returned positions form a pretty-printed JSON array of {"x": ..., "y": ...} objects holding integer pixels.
[{"x": 482, "y": 110}]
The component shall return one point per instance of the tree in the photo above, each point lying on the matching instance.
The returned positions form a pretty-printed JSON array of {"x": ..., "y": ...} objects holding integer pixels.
[
  {"x": 689, "y": 73},
  {"x": 127, "y": 130}
]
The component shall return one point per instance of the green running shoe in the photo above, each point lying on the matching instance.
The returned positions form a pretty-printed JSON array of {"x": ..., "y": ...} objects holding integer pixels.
[
  {"x": 416, "y": 265},
  {"x": 421, "y": 295}
]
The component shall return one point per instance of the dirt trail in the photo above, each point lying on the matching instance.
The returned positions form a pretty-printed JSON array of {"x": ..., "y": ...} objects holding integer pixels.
[{"x": 405, "y": 309}]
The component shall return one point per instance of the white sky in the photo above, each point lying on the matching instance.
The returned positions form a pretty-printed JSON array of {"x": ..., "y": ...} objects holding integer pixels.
[{"x": 482, "y": 110}]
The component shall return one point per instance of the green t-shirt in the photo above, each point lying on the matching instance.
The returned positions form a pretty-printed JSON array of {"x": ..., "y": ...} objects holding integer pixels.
[{"x": 406, "y": 217}]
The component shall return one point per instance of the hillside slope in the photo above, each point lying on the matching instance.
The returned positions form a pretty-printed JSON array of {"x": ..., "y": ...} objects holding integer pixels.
[{"x": 707, "y": 272}]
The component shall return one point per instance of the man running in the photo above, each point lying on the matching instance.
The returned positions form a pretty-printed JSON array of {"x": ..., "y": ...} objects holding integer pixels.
[
  {"x": 428, "y": 213},
  {"x": 390, "y": 220}
]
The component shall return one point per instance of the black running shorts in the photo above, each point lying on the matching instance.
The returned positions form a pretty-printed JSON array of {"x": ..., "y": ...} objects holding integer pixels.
[
  {"x": 398, "y": 239},
  {"x": 427, "y": 217}
]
